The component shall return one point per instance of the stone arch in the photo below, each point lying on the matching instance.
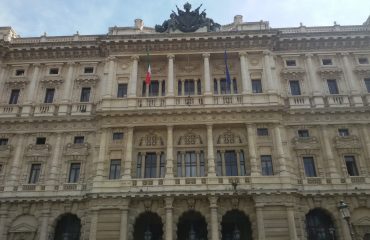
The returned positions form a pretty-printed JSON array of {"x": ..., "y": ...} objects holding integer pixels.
[
  {"x": 67, "y": 226},
  {"x": 24, "y": 227},
  {"x": 236, "y": 225},
  {"x": 320, "y": 222},
  {"x": 192, "y": 223},
  {"x": 148, "y": 223}
]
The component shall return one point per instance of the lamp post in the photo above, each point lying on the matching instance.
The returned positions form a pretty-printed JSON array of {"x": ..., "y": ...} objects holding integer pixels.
[{"x": 346, "y": 215}]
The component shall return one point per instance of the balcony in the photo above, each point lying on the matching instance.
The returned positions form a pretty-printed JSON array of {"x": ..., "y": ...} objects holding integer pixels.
[
  {"x": 338, "y": 101},
  {"x": 189, "y": 101},
  {"x": 151, "y": 102},
  {"x": 45, "y": 110},
  {"x": 228, "y": 100},
  {"x": 9, "y": 110},
  {"x": 299, "y": 102},
  {"x": 82, "y": 109}
]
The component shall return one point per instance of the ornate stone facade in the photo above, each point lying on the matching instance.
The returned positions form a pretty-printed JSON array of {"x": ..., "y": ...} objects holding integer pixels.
[{"x": 88, "y": 151}]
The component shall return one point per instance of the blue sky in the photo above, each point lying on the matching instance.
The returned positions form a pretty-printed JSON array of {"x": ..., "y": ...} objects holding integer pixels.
[{"x": 65, "y": 17}]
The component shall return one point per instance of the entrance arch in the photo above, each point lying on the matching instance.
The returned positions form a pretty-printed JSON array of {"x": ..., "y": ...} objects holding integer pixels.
[
  {"x": 68, "y": 228},
  {"x": 236, "y": 226},
  {"x": 148, "y": 224},
  {"x": 192, "y": 226},
  {"x": 319, "y": 225}
]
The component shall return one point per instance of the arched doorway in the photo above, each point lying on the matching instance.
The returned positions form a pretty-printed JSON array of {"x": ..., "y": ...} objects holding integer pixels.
[
  {"x": 192, "y": 226},
  {"x": 68, "y": 228},
  {"x": 236, "y": 226},
  {"x": 367, "y": 236},
  {"x": 319, "y": 225},
  {"x": 148, "y": 226}
]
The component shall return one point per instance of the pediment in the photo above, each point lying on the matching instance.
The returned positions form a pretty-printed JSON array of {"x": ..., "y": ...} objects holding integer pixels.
[{"x": 23, "y": 227}]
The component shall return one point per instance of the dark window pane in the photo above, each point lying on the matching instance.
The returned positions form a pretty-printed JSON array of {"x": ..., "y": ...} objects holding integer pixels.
[
  {"x": 34, "y": 173},
  {"x": 40, "y": 140},
  {"x": 256, "y": 86},
  {"x": 163, "y": 88},
  {"x": 343, "y": 132},
  {"x": 215, "y": 86},
  {"x": 363, "y": 60},
  {"x": 303, "y": 133},
  {"x": 231, "y": 165},
  {"x": 150, "y": 165},
  {"x": 262, "y": 132},
  {"x": 319, "y": 226},
  {"x": 243, "y": 167},
  {"x": 367, "y": 84},
  {"x": 88, "y": 70},
  {"x": 14, "y": 95},
  {"x": 118, "y": 136},
  {"x": 74, "y": 173},
  {"x": 115, "y": 169},
  {"x": 144, "y": 90},
  {"x": 3, "y": 141},
  {"x": 189, "y": 87},
  {"x": 122, "y": 90},
  {"x": 309, "y": 166},
  {"x": 139, "y": 165},
  {"x": 19, "y": 72},
  {"x": 333, "y": 87},
  {"x": 290, "y": 63},
  {"x": 79, "y": 140},
  {"x": 199, "y": 87},
  {"x": 235, "y": 86},
  {"x": 327, "y": 62},
  {"x": 154, "y": 88},
  {"x": 85, "y": 94},
  {"x": 49, "y": 95},
  {"x": 219, "y": 164},
  {"x": 351, "y": 165},
  {"x": 225, "y": 89},
  {"x": 266, "y": 165},
  {"x": 54, "y": 71},
  {"x": 295, "y": 89},
  {"x": 190, "y": 164},
  {"x": 179, "y": 88}
]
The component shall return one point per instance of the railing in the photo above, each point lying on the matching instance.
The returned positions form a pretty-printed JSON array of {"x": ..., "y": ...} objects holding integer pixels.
[
  {"x": 189, "y": 101},
  {"x": 338, "y": 101},
  {"x": 9, "y": 110},
  {"x": 81, "y": 108},
  {"x": 45, "y": 110},
  {"x": 299, "y": 102},
  {"x": 228, "y": 99},
  {"x": 151, "y": 102}
]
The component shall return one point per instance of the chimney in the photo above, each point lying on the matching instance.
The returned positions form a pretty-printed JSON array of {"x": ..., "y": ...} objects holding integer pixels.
[
  {"x": 139, "y": 23},
  {"x": 238, "y": 19}
]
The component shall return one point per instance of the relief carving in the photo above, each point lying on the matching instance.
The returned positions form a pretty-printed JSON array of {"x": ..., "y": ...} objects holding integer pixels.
[{"x": 38, "y": 150}]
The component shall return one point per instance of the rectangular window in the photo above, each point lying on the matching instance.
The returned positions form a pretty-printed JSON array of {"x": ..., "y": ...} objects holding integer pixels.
[
  {"x": 3, "y": 141},
  {"x": 343, "y": 132},
  {"x": 53, "y": 71},
  {"x": 79, "y": 140},
  {"x": 40, "y": 140},
  {"x": 266, "y": 165},
  {"x": 88, "y": 70},
  {"x": 115, "y": 169},
  {"x": 309, "y": 167},
  {"x": 262, "y": 132},
  {"x": 327, "y": 62},
  {"x": 122, "y": 90},
  {"x": 202, "y": 167},
  {"x": 189, "y": 86},
  {"x": 19, "y": 72},
  {"x": 154, "y": 88},
  {"x": 179, "y": 88},
  {"x": 243, "y": 167},
  {"x": 74, "y": 172},
  {"x": 150, "y": 165},
  {"x": 256, "y": 86},
  {"x": 291, "y": 63},
  {"x": 295, "y": 89},
  {"x": 179, "y": 164},
  {"x": 14, "y": 95},
  {"x": 351, "y": 165},
  {"x": 225, "y": 86},
  {"x": 199, "y": 87},
  {"x": 34, "y": 173},
  {"x": 117, "y": 136},
  {"x": 363, "y": 60},
  {"x": 85, "y": 94},
  {"x": 231, "y": 165},
  {"x": 215, "y": 86},
  {"x": 333, "y": 87},
  {"x": 49, "y": 95},
  {"x": 303, "y": 133},
  {"x": 163, "y": 88},
  {"x": 367, "y": 84},
  {"x": 190, "y": 164},
  {"x": 235, "y": 86}
]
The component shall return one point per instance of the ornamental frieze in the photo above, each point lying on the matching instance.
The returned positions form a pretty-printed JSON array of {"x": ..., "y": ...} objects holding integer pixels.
[
  {"x": 305, "y": 143},
  {"x": 77, "y": 149},
  {"x": 38, "y": 150},
  {"x": 351, "y": 141}
]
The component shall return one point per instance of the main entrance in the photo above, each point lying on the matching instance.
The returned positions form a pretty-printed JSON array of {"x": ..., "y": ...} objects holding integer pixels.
[
  {"x": 68, "y": 228},
  {"x": 192, "y": 226}
]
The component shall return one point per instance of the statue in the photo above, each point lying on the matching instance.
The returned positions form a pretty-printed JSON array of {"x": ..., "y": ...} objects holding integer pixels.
[{"x": 187, "y": 21}]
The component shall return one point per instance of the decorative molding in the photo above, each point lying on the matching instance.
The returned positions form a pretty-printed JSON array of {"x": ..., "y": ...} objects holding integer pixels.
[
  {"x": 35, "y": 150},
  {"x": 87, "y": 79}
]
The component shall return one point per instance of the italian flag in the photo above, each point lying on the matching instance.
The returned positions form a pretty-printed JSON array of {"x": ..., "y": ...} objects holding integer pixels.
[{"x": 149, "y": 72}]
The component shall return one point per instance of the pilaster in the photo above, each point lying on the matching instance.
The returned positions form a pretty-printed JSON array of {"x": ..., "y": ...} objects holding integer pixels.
[
  {"x": 210, "y": 152},
  {"x": 128, "y": 156}
]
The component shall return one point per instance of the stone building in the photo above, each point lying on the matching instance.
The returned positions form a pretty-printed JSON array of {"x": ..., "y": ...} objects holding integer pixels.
[{"x": 88, "y": 150}]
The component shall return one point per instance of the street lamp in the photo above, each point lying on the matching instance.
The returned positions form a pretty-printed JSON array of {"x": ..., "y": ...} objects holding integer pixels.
[{"x": 346, "y": 215}]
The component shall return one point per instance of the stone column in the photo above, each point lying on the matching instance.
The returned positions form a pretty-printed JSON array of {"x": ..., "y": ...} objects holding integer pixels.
[
  {"x": 366, "y": 142},
  {"x": 291, "y": 223},
  {"x": 67, "y": 90},
  {"x": 315, "y": 82},
  {"x": 246, "y": 79},
  {"x": 252, "y": 149},
  {"x": 354, "y": 88},
  {"x": 260, "y": 222},
  {"x": 27, "y": 107},
  {"x": 3, "y": 217},
  {"x": 280, "y": 151},
  {"x": 55, "y": 160},
  {"x": 133, "y": 77},
  {"x": 124, "y": 219},
  {"x": 102, "y": 154},
  {"x": 169, "y": 158},
  {"x": 171, "y": 75},
  {"x": 214, "y": 217},
  {"x": 44, "y": 223},
  {"x": 210, "y": 152},
  {"x": 268, "y": 72},
  {"x": 110, "y": 78},
  {"x": 2, "y": 77},
  {"x": 328, "y": 152},
  {"x": 93, "y": 224},
  {"x": 169, "y": 218},
  {"x": 16, "y": 163},
  {"x": 128, "y": 157},
  {"x": 207, "y": 74}
]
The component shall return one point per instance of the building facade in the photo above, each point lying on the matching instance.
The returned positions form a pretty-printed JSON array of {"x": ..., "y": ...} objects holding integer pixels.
[{"x": 88, "y": 150}]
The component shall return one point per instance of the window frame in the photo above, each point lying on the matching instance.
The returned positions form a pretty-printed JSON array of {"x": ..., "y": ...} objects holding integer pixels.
[
  {"x": 290, "y": 63},
  {"x": 367, "y": 84},
  {"x": 262, "y": 132},
  {"x": 77, "y": 140},
  {"x": 330, "y": 88},
  {"x": 117, "y": 136},
  {"x": 353, "y": 171},
  {"x": 34, "y": 174},
  {"x": 74, "y": 173},
  {"x": 4, "y": 141},
  {"x": 14, "y": 96},
  {"x": 51, "y": 69},
  {"x": 343, "y": 132},
  {"x": 303, "y": 133},
  {"x": 255, "y": 90},
  {"x": 40, "y": 141},
  {"x": 295, "y": 90},
  {"x": 48, "y": 99},
  {"x": 85, "y": 68},
  {"x": 312, "y": 171},
  {"x": 122, "y": 89},
  {"x": 270, "y": 168},
  {"x": 83, "y": 97},
  {"x": 115, "y": 169},
  {"x": 363, "y": 58}
]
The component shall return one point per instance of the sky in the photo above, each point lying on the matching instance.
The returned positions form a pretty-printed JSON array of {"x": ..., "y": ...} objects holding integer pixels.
[{"x": 33, "y": 18}]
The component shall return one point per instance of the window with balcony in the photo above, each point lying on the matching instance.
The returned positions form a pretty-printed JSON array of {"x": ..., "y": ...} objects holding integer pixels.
[
  {"x": 333, "y": 86},
  {"x": 53, "y": 71},
  {"x": 85, "y": 94},
  {"x": 303, "y": 133},
  {"x": 367, "y": 84},
  {"x": 154, "y": 88},
  {"x": 266, "y": 165},
  {"x": 117, "y": 136},
  {"x": 74, "y": 172},
  {"x": 79, "y": 140},
  {"x": 115, "y": 169},
  {"x": 40, "y": 140},
  {"x": 190, "y": 164},
  {"x": 231, "y": 163},
  {"x": 3, "y": 141},
  {"x": 327, "y": 62},
  {"x": 256, "y": 86},
  {"x": 262, "y": 132},
  {"x": 49, "y": 95},
  {"x": 19, "y": 72},
  {"x": 221, "y": 86},
  {"x": 351, "y": 165},
  {"x": 309, "y": 166},
  {"x": 150, "y": 165},
  {"x": 34, "y": 173},
  {"x": 290, "y": 63},
  {"x": 363, "y": 60},
  {"x": 14, "y": 96},
  {"x": 295, "y": 88},
  {"x": 122, "y": 90},
  {"x": 88, "y": 70},
  {"x": 343, "y": 132}
]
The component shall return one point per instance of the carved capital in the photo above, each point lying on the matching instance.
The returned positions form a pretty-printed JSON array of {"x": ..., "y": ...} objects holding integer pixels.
[
  {"x": 111, "y": 58},
  {"x": 168, "y": 201},
  {"x": 36, "y": 65},
  {"x": 344, "y": 54},
  {"x": 308, "y": 55},
  {"x": 266, "y": 52},
  {"x": 70, "y": 63},
  {"x": 213, "y": 201},
  {"x": 135, "y": 58},
  {"x": 170, "y": 56},
  {"x": 243, "y": 54},
  {"x": 206, "y": 55}
]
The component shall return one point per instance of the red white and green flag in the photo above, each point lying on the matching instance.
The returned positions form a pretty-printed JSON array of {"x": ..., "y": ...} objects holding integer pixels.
[{"x": 149, "y": 71}]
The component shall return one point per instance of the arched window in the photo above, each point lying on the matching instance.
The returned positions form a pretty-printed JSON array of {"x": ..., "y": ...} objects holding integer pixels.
[
  {"x": 68, "y": 228},
  {"x": 148, "y": 226},
  {"x": 320, "y": 226},
  {"x": 236, "y": 226},
  {"x": 191, "y": 225}
]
